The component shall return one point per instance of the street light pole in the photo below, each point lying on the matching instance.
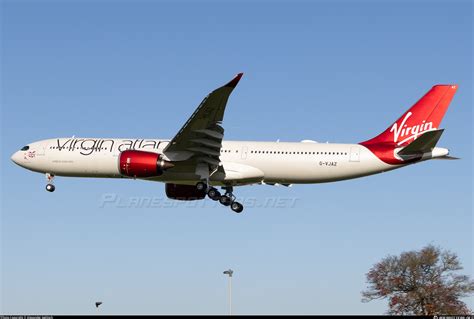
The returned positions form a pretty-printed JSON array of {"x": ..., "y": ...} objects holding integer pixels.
[
  {"x": 230, "y": 295},
  {"x": 229, "y": 273}
]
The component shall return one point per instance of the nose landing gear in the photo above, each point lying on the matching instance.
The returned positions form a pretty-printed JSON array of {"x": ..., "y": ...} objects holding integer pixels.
[
  {"x": 228, "y": 199},
  {"x": 50, "y": 187}
]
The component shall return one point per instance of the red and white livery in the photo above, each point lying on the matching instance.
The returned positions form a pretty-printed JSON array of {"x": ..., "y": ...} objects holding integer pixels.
[{"x": 197, "y": 160}]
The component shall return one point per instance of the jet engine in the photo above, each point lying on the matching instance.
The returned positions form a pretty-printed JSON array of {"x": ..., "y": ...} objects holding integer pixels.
[
  {"x": 184, "y": 192},
  {"x": 141, "y": 164}
]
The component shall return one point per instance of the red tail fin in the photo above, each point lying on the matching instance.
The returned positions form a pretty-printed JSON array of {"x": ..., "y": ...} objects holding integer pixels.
[{"x": 425, "y": 115}]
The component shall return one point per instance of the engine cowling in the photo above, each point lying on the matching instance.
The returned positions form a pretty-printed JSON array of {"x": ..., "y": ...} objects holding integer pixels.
[
  {"x": 184, "y": 192},
  {"x": 142, "y": 164}
]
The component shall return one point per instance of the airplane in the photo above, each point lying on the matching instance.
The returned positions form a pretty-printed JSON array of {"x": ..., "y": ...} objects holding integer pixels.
[{"x": 197, "y": 160}]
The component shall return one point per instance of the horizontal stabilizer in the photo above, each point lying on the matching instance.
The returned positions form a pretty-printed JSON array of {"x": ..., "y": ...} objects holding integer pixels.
[
  {"x": 425, "y": 143},
  {"x": 446, "y": 157}
]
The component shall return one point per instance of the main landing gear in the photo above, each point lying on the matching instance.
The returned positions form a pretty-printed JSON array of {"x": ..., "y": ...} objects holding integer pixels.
[
  {"x": 50, "y": 187},
  {"x": 228, "y": 199}
]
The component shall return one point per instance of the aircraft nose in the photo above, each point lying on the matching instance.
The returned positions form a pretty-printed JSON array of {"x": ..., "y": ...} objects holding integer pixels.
[{"x": 16, "y": 157}]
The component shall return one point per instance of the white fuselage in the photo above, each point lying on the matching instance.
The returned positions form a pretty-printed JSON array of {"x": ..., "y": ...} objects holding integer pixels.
[{"x": 244, "y": 162}]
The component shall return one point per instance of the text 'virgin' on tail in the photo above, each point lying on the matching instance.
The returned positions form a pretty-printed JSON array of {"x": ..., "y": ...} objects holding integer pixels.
[{"x": 425, "y": 115}]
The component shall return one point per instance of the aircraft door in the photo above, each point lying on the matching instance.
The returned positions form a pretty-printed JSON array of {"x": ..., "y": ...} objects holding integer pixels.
[
  {"x": 355, "y": 154},
  {"x": 42, "y": 149},
  {"x": 244, "y": 152}
]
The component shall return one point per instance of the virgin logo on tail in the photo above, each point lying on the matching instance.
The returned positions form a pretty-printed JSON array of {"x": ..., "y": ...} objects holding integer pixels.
[{"x": 409, "y": 132}]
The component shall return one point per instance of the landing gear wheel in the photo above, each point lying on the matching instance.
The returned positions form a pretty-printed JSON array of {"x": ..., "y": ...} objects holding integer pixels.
[
  {"x": 214, "y": 194},
  {"x": 201, "y": 186},
  {"x": 237, "y": 207},
  {"x": 49, "y": 178},
  {"x": 225, "y": 200}
]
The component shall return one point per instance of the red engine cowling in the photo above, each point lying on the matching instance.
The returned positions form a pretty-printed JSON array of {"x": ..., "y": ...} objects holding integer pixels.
[
  {"x": 142, "y": 164},
  {"x": 184, "y": 192}
]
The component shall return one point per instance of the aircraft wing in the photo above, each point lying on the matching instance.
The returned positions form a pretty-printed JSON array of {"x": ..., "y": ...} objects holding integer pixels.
[{"x": 201, "y": 136}]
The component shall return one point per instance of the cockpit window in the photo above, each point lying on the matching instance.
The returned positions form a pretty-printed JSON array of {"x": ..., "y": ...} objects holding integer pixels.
[{"x": 25, "y": 148}]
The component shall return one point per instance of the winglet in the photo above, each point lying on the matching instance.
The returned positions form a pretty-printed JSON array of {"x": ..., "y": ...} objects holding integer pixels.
[{"x": 234, "y": 81}]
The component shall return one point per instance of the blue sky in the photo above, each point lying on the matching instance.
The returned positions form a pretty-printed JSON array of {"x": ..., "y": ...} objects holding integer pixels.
[{"x": 327, "y": 71}]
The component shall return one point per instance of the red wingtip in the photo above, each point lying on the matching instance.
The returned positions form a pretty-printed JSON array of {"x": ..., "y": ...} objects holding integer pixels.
[{"x": 233, "y": 83}]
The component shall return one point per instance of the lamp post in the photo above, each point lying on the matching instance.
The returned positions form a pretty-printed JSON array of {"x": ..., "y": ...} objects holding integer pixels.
[{"x": 229, "y": 273}]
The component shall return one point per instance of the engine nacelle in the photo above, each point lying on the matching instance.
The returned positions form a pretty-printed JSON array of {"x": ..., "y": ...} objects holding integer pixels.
[
  {"x": 184, "y": 192},
  {"x": 141, "y": 164}
]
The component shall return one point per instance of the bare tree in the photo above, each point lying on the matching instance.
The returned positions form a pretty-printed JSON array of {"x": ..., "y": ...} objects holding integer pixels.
[{"x": 421, "y": 282}]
